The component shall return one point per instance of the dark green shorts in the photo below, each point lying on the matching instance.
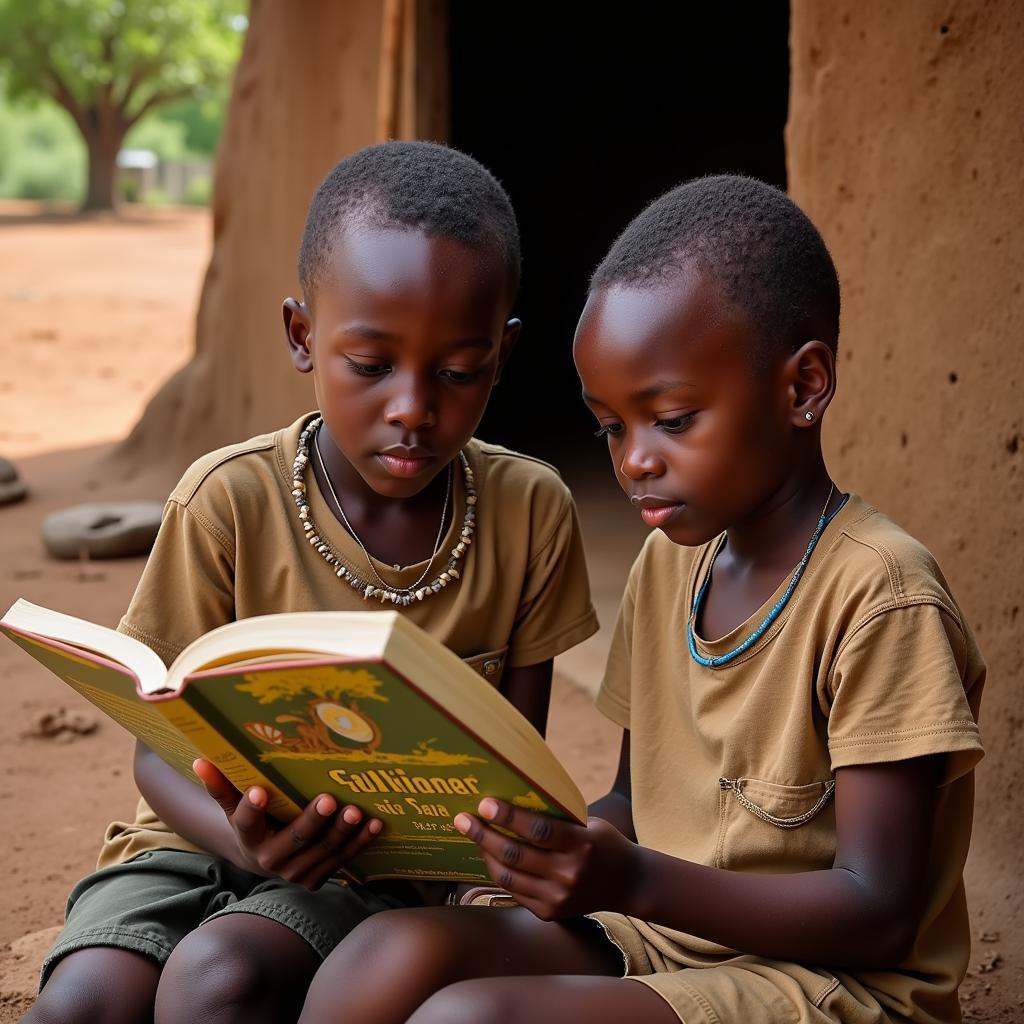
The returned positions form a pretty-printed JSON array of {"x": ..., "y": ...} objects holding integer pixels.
[{"x": 149, "y": 904}]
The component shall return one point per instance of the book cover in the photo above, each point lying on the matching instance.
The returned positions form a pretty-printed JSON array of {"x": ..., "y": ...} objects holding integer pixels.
[
  {"x": 303, "y": 723},
  {"x": 362, "y": 733}
]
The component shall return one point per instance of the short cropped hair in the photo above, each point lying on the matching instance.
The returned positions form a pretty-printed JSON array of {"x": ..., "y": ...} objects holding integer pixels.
[
  {"x": 417, "y": 185},
  {"x": 765, "y": 254}
]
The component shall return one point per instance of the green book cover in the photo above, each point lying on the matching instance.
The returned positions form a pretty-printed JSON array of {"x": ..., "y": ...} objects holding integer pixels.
[
  {"x": 364, "y": 706},
  {"x": 360, "y": 732}
]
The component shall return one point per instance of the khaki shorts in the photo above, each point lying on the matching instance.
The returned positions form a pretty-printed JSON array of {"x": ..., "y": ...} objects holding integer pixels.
[
  {"x": 747, "y": 989},
  {"x": 150, "y": 903}
]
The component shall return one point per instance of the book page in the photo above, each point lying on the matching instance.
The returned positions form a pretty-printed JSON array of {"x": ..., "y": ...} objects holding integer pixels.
[
  {"x": 143, "y": 722},
  {"x": 87, "y": 636},
  {"x": 112, "y": 690}
]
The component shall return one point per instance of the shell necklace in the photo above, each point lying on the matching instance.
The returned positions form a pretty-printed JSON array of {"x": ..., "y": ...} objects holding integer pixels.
[{"x": 378, "y": 587}]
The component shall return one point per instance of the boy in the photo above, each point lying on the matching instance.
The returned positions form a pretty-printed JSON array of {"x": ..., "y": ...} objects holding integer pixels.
[
  {"x": 786, "y": 835},
  {"x": 409, "y": 267}
]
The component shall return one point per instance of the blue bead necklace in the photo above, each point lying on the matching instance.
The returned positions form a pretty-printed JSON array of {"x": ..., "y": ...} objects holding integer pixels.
[{"x": 722, "y": 659}]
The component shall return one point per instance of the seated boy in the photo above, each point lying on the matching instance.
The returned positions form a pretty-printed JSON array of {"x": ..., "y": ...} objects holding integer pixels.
[
  {"x": 409, "y": 267},
  {"x": 786, "y": 836}
]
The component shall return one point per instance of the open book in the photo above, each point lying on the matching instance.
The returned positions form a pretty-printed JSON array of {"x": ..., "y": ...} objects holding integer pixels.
[{"x": 365, "y": 706}]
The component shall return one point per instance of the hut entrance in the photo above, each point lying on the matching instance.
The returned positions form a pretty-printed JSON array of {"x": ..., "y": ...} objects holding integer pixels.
[{"x": 585, "y": 117}]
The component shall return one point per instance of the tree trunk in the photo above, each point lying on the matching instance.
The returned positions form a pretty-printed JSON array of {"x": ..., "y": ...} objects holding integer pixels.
[
  {"x": 902, "y": 148},
  {"x": 103, "y": 133},
  {"x": 304, "y": 95}
]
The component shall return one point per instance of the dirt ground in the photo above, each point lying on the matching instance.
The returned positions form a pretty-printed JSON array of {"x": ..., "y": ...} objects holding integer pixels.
[{"x": 94, "y": 315}]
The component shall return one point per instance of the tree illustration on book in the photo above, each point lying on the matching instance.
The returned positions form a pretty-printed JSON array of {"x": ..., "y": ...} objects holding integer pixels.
[{"x": 325, "y": 717}]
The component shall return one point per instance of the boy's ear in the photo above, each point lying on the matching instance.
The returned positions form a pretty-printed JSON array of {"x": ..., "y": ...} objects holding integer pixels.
[
  {"x": 509, "y": 337},
  {"x": 811, "y": 373},
  {"x": 297, "y": 327}
]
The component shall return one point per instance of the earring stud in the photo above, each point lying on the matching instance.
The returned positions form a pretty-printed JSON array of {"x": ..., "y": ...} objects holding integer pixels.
[{"x": 809, "y": 416}]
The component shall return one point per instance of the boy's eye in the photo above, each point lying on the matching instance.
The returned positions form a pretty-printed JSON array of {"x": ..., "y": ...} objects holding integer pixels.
[
  {"x": 368, "y": 369},
  {"x": 460, "y": 376},
  {"x": 609, "y": 430},
  {"x": 675, "y": 424}
]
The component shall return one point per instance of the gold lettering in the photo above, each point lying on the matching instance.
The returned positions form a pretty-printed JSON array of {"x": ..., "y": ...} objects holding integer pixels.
[
  {"x": 429, "y": 810},
  {"x": 338, "y": 775},
  {"x": 381, "y": 781}
]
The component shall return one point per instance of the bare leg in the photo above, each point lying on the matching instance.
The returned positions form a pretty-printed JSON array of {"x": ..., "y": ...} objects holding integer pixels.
[
  {"x": 98, "y": 985},
  {"x": 393, "y": 962},
  {"x": 545, "y": 1000},
  {"x": 240, "y": 967}
]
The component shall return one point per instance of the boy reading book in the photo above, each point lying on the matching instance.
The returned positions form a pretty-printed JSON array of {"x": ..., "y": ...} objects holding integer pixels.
[
  {"x": 799, "y": 692},
  {"x": 409, "y": 266}
]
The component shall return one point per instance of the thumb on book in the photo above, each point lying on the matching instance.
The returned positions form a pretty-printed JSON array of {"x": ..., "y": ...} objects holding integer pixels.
[{"x": 217, "y": 784}]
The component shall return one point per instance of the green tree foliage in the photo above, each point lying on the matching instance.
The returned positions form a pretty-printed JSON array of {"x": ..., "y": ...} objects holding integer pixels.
[
  {"x": 42, "y": 156},
  {"x": 109, "y": 62}
]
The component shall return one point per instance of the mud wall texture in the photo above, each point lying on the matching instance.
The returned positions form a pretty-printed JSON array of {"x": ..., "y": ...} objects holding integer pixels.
[
  {"x": 906, "y": 146},
  {"x": 305, "y": 94}
]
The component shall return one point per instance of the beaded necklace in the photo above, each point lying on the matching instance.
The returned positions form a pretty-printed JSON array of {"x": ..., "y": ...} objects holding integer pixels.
[
  {"x": 722, "y": 659},
  {"x": 381, "y": 590}
]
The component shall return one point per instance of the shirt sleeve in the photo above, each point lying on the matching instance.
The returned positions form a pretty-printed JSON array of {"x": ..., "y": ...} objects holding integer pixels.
[
  {"x": 897, "y": 691},
  {"x": 613, "y": 696},
  {"x": 187, "y": 587},
  {"x": 555, "y": 611}
]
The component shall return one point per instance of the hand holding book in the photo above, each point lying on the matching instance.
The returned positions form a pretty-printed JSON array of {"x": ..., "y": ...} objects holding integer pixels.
[
  {"x": 308, "y": 850},
  {"x": 556, "y": 869}
]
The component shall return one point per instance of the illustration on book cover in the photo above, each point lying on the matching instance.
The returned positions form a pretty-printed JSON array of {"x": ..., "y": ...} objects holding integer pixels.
[{"x": 328, "y": 718}]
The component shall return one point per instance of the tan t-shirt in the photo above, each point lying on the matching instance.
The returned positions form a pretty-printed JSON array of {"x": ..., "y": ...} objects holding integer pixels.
[
  {"x": 231, "y": 546},
  {"x": 870, "y": 661}
]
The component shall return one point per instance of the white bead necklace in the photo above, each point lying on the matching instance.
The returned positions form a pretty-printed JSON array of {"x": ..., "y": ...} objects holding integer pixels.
[
  {"x": 380, "y": 588},
  {"x": 396, "y": 595},
  {"x": 348, "y": 526}
]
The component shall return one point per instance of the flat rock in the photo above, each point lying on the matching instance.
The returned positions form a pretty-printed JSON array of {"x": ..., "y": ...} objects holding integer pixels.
[
  {"x": 11, "y": 488},
  {"x": 111, "y": 530}
]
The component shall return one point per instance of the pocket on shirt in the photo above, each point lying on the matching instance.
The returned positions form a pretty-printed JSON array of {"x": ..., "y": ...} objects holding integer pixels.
[
  {"x": 765, "y": 826},
  {"x": 490, "y": 665}
]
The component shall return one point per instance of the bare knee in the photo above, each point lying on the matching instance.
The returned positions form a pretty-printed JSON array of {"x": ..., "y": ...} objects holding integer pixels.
[
  {"x": 480, "y": 1001},
  {"x": 208, "y": 977},
  {"x": 98, "y": 985},
  {"x": 421, "y": 939},
  {"x": 386, "y": 967}
]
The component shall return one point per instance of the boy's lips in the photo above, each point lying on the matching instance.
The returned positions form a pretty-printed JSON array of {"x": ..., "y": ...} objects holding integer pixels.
[
  {"x": 404, "y": 465},
  {"x": 405, "y": 460},
  {"x": 659, "y": 515},
  {"x": 656, "y": 511}
]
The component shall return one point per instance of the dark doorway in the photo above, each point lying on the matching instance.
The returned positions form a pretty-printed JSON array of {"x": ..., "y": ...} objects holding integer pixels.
[{"x": 587, "y": 112}]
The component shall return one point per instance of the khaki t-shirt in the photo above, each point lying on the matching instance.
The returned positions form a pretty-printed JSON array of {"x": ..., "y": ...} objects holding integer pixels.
[
  {"x": 231, "y": 546},
  {"x": 870, "y": 661}
]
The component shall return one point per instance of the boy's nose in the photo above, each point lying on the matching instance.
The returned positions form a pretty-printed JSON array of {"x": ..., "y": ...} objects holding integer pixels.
[
  {"x": 411, "y": 408},
  {"x": 640, "y": 462}
]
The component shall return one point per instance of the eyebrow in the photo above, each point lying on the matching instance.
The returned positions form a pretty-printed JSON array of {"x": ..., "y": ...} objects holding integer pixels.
[
  {"x": 376, "y": 334},
  {"x": 372, "y": 333},
  {"x": 659, "y": 387}
]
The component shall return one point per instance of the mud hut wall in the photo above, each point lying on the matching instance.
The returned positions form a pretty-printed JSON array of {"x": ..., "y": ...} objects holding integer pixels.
[
  {"x": 304, "y": 96},
  {"x": 905, "y": 145}
]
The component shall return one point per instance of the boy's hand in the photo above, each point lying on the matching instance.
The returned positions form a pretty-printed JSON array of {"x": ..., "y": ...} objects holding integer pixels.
[
  {"x": 308, "y": 850},
  {"x": 554, "y": 868}
]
